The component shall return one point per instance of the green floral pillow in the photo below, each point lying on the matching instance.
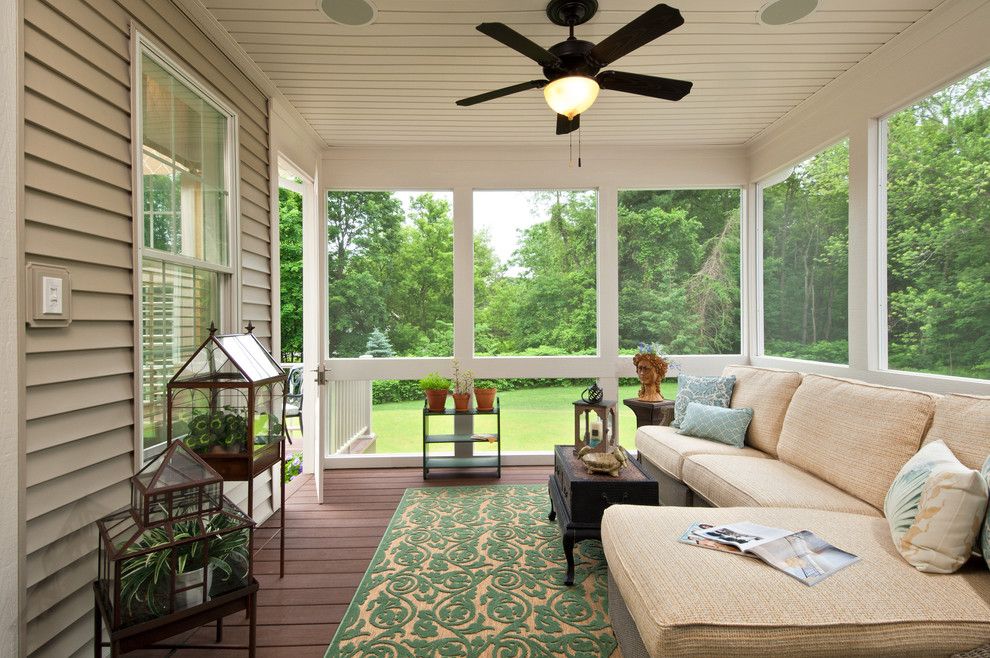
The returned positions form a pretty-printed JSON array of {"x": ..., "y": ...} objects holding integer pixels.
[
  {"x": 713, "y": 391},
  {"x": 935, "y": 508},
  {"x": 985, "y": 532},
  {"x": 716, "y": 423}
]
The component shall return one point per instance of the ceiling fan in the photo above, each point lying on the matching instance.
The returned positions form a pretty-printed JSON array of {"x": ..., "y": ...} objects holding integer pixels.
[{"x": 573, "y": 67}]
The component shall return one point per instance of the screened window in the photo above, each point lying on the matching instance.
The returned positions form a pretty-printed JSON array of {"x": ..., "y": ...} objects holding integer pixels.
[
  {"x": 391, "y": 273},
  {"x": 535, "y": 272},
  {"x": 679, "y": 270},
  {"x": 938, "y": 232},
  {"x": 805, "y": 260},
  {"x": 185, "y": 251}
]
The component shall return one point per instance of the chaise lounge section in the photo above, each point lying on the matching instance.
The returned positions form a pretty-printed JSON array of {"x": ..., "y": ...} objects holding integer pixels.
[{"x": 820, "y": 455}]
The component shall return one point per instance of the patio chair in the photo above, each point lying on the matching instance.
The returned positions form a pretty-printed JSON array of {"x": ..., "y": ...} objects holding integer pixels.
[{"x": 293, "y": 398}]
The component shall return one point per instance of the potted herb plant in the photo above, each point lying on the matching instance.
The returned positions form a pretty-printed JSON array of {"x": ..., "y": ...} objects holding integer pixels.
[
  {"x": 463, "y": 387},
  {"x": 485, "y": 391},
  {"x": 435, "y": 388}
]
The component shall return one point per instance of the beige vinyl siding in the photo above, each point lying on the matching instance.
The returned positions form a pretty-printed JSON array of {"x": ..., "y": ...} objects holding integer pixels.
[{"x": 77, "y": 210}]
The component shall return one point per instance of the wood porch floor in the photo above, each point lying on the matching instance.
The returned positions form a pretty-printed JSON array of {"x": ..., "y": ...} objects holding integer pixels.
[{"x": 327, "y": 550}]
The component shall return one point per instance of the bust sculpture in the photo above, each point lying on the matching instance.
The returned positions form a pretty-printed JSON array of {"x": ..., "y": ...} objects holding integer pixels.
[{"x": 651, "y": 368}]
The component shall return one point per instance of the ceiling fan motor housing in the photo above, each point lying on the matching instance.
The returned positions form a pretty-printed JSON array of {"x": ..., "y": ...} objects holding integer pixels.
[
  {"x": 568, "y": 13},
  {"x": 574, "y": 58}
]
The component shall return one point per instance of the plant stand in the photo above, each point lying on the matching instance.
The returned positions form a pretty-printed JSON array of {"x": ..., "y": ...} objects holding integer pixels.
[
  {"x": 150, "y": 634},
  {"x": 651, "y": 413},
  {"x": 458, "y": 461}
]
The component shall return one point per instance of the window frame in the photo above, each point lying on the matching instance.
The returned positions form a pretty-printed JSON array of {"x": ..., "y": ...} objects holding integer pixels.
[
  {"x": 229, "y": 274},
  {"x": 782, "y": 174}
]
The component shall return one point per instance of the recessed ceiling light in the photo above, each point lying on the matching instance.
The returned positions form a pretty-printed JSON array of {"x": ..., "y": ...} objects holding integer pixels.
[
  {"x": 782, "y": 12},
  {"x": 349, "y": 12}
]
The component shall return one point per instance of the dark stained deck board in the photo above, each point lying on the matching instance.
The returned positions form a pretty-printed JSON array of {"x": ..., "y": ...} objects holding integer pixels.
[{"x": 327, "y": 550}]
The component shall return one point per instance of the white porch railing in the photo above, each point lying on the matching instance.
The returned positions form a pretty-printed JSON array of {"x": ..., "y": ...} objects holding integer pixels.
[{"x": 350, "y": 414}]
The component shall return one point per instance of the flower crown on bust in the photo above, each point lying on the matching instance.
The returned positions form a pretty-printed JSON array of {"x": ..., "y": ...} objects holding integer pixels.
[{"x": 659, "y": 351}]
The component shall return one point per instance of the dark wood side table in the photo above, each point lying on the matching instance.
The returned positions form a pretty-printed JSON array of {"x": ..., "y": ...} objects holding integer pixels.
[
  {"x": 651, "y": 413},
  {"x": 578, "y": 498}
]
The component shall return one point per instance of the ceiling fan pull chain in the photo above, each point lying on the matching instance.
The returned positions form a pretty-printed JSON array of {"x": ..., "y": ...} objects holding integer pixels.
[
  {"x": 570, "y": 149},
  {"x": 579, "y": 146}
]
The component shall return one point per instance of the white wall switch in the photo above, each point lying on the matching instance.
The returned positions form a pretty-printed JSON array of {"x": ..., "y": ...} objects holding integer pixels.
[{"x": 51, "y": 290}]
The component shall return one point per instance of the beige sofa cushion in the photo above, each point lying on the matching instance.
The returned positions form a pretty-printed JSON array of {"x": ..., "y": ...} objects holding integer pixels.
[
  {"x": 852, "y": 434},
  {"x": 666, "y": 449},
  {"x": 963, "y": 423},
  {"x": 689, "y": 601},
  {"x": 728, "y": 481},
  {"x": 767, "y": 392}
]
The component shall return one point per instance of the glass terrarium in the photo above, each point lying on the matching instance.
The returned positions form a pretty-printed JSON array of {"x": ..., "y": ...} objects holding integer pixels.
[
  {"x": 227, "y": 403},
  {"x": 179, "y": 544}
]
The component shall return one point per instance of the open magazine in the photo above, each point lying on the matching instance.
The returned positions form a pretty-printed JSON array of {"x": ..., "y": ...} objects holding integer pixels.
[{"x": 802, "y": 554}]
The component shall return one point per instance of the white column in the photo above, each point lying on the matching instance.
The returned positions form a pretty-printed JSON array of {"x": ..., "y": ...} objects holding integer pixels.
[
  {"x": 12, "y": 454},
  {"x": 608, "y": 288},
  {"x": 464, "y": 299},
  {"x": 751, "y": 274},
  {"x": 864, "y": 271}
]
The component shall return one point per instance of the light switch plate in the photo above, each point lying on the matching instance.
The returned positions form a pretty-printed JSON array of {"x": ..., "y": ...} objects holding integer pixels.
[{"x": 49, "y": 296}]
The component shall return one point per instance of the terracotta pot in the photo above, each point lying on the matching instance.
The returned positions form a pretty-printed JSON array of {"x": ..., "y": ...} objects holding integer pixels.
[
  {"x": 485, "y": 398},
  {"x": 462, "y": 401},
  {"x": 436, "y": 399}
]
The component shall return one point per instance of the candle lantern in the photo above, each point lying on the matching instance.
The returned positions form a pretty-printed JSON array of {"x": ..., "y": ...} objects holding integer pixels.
[{"x": 596, "y": 425}]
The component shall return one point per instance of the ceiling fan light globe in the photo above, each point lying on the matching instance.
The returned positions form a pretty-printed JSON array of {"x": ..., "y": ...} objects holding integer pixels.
[{"x": 571, "y": 95}]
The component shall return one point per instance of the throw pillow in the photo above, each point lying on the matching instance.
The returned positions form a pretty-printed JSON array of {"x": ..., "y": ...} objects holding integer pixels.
[
  {"x": 713, "y": 391},
  {"x": 716, "y": 423},
  {"x": 934, "y": 508},
  {"x": 985, "y": 532}
]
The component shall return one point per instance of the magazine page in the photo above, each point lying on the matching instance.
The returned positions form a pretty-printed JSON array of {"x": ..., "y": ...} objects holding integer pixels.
[
  {"x": 743, "y": 535},
  {"x": 805, "y": 556},
  {"x": 692, "y": 536}
]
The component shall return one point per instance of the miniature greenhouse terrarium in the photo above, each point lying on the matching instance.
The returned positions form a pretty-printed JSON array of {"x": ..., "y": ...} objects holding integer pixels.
[
  {"x": 227, "y": 403},
  {"x": 178, "y": 545}
]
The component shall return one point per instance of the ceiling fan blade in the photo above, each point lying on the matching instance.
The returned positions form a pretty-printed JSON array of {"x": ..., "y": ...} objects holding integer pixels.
[
  {"x": 504, "y": 91},
  {"x": 644, "y": 85},
  {"x": 565, "y": 125},
  {"x": 506, "y": 35},
  {"x": 654, "y": 23}
]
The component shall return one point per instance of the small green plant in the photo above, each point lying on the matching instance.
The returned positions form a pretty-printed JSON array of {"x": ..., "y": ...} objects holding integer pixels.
[
  {"x": 223, "y": 427},
  {"x": 485, "y": 383},
  {"x": 434, "y": 382},
  {"x": 463, "y": 380}
]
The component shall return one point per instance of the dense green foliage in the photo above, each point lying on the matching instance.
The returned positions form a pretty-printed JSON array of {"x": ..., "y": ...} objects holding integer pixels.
[
  {"x": 679, "y": 270},
  {"x": 938, "y": 232},
  {"x": 291, "y": 267},
  {"x": 805, "y": 259}
]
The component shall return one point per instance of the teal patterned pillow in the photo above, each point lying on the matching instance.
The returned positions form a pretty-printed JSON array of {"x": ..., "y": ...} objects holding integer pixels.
[
  {"x": 713, "y": 391},
  {"x": 985, "y": 532},
  {"x": 716, "y": 423}
]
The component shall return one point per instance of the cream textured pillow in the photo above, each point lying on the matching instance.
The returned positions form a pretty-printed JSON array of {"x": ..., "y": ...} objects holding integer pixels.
[{"x": 935, "y": 508}]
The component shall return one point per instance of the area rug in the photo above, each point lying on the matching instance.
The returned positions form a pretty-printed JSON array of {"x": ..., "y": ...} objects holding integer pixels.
[{"x": 477, "y": 571}]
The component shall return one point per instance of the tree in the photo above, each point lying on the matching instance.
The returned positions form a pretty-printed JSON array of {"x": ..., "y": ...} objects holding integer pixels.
[
  {"x": 290, "y": 273},
  {"x": 378, "y": 345}
]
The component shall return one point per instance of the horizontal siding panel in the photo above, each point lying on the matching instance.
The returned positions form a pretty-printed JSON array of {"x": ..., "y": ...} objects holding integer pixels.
[
  {"x": 41, "y": 111},
  {"x": 47, "y": 465},
  {"x": 250, "y": 277},
  {"x": 80, "y": 545},
  {"x": 97, "y": 54},
  {"x": 256, "y": 178},
  {"x": 51, "y": 147},
  {"x": 41, "y": 48},
  {"x": 44, "y": 208},
  {"x": 254, "y": 228},
  {"x": 50, "y": 431},
  {"x": 251, "y": 161},
  {"x": 83, "y": 511},
  {"x": 252, "y": 295},
  {"x": 97, "y": 306},
  {"x": 256, "y": 312},
  {"x": 259, "y": 198},
  {"x": 80, "y": 336},
  {"x": 43, "y": 240},
  {"x": 116, "y": 37},
  {"x": 255, "y": 245},
  {"x": 54, "y": 367},
  {"x": 69, "y": 184},
  {"x": 64, "y": 614},
  {"x": 95, "y": 278},
  {"x": 65, "y": 491},
  {"x": 47, "y": 83},
  {"x": 259, "y": 262},
  {"x": 252, "y": 142},
  {"x": 64, "y": 397},
  {"x": 75, "y": 639}
]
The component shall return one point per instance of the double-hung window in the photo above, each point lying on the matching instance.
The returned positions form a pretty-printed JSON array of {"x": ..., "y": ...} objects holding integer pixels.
[{"x": 187, "y": 162}]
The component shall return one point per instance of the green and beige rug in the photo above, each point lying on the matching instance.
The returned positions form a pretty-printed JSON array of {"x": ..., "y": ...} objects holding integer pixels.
[{"x": 477, "y": 571}]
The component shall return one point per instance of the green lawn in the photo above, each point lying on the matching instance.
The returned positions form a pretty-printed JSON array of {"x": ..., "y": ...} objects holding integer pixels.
[{"x": 532, "y": 419}]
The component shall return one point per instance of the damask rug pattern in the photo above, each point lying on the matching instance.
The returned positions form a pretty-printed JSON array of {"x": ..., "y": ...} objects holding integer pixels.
[{"x": 477, "y": 571}]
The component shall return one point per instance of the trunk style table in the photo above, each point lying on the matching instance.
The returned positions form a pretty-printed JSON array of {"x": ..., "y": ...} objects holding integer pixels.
[{"x": 578, "y": 498}]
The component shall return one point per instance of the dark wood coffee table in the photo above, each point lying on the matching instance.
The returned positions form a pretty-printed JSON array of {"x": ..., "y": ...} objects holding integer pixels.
[{"x": 578, "y": 499}]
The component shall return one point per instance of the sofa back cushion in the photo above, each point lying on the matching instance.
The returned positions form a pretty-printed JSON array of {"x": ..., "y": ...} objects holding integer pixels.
[
  {"x": 963, "y": 423},
  {"x": 853, "y": 435},
  {"x": 767, "y": 392}
]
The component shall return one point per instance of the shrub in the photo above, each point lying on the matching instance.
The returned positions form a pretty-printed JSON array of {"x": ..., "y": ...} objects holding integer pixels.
[{"x": 434, "y": 382}]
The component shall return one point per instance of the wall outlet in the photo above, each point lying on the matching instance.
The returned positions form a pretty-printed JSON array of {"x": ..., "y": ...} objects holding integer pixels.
[
  {"x": 51, "y": 292},
  {"x": 48, "y": 296}
]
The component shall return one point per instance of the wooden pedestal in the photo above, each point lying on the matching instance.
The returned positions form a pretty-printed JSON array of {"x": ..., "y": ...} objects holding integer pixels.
[{"x": 651, "y": 413}]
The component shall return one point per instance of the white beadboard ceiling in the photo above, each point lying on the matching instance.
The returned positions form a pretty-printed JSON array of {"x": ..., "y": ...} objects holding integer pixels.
[{"x": 395, "y": 81}]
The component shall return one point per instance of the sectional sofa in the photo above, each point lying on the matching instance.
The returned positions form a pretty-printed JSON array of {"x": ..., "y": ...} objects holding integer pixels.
[{"x": 820, "y": 454}]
